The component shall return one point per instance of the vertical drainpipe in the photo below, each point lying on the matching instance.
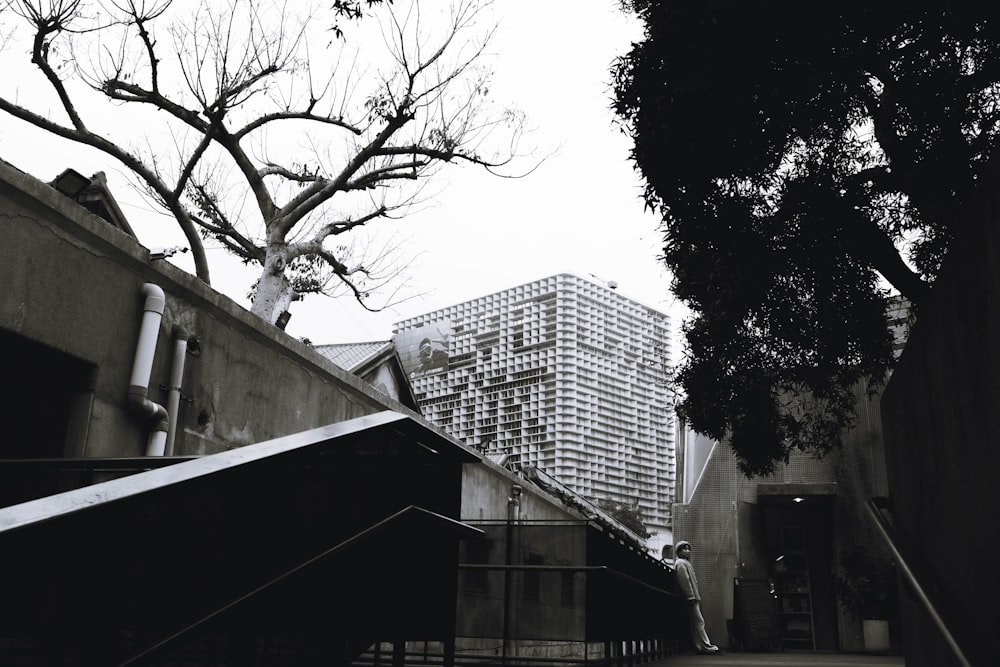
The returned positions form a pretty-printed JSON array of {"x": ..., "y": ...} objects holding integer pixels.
[
  {"x": 142, "y": 366},
  {"x": 513, "y": 538},
  {"x": 514, "y": 503},
  {"x": 174, "y": 391}
]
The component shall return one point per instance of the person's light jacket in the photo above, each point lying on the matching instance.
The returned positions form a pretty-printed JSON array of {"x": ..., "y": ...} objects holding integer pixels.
[{"x": 687, "y": 582}]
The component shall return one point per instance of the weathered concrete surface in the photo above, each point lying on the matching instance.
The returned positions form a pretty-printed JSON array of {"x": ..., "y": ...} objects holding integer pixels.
[{"x": 72, "y": 283}]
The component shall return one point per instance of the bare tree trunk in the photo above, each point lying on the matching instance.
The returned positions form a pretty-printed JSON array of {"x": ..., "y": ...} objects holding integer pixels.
[
  {"x": 274, "y": 293},
  {"x": 429, "y": 108}
]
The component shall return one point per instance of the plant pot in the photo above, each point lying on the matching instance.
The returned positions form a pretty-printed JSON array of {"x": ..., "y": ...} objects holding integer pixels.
[{"x": 876, "y": 636}]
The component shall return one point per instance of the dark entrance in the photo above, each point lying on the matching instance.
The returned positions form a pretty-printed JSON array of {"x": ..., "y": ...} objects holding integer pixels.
[
  {"x": 45, "y": 400},
  {"x": 798, "y": 538}
]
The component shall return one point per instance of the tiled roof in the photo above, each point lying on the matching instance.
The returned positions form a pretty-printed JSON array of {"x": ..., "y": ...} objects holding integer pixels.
[{"x": 351, "y": 356}]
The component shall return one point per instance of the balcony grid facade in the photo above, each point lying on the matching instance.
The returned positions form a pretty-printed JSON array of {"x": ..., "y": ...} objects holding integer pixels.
[{"x": 565, "y": 374}]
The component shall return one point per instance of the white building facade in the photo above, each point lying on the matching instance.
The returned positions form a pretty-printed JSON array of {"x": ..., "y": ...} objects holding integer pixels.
[{"x": 564, "y": 374}]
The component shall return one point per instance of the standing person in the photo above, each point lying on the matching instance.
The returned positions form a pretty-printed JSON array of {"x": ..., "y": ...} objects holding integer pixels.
[{"x": 687, "y": 582}]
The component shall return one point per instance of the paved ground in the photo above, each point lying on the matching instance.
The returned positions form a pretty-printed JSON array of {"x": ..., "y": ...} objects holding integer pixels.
[{"x": 786, "y": 658}]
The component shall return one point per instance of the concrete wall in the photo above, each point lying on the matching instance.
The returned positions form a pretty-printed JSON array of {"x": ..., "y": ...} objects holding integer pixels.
[
  {"x": 383, "y": 379},
  {"x": 722, "y": 522},
  {"x": 72, "y": 283},
  {"x": 72, "y": 295},
  {"x": 711, "y": 522},
  {"x": 942, "y": 418},
  {"x": 859, "y": 469},
  {"x": 486, "y": 488}
]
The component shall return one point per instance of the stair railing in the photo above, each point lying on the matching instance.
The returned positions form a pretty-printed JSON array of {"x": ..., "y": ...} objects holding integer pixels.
[{"x": 906, "y": 569}]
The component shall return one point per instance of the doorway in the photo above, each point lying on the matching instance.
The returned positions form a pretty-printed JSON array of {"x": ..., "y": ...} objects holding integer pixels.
[
  {"x": 788, "y": 540},
  {"x": 46, "y": 401}
]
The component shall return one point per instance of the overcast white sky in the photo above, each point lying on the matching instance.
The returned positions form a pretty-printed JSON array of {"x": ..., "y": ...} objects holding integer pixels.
[{"x": 581, "y": 211}]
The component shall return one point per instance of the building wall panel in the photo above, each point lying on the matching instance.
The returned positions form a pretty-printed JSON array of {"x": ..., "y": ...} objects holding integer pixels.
[{"x": 72, "y": 283}]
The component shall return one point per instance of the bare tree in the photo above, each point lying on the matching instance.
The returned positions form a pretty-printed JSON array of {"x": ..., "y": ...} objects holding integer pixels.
[{"x": 271, "y": 134}]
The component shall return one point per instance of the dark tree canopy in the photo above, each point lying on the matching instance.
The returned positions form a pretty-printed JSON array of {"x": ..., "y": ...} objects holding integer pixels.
[{"x": 801, "y": 161}]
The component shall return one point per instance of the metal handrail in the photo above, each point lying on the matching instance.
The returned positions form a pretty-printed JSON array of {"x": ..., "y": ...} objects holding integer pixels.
[
  {"x": 887, "y": 534},
  {"x": 383, "y": 525},
  {"x": 602, "y": 569}
]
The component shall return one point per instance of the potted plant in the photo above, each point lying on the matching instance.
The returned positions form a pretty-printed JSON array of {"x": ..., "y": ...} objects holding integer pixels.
[{"x": 866, "y": 586}]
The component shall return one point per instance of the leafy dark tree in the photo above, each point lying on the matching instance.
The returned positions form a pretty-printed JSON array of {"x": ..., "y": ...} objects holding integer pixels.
[
  {"x": 865, "y": 583},
  {"x": 801, "y": 161},
  {"x": 627, "y": 514}
]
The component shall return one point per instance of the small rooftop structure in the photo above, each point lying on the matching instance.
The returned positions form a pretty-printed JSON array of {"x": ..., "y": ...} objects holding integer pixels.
[
  {"x": 355, "y": 357},
  {"x": 93, "y": 194},
  {"x": 375, "y": 362}
]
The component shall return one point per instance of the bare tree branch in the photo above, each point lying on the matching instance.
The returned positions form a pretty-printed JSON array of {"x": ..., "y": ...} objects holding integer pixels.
[
  {"x": 294, "y": 115},
  {"x": 238, "y": 87},
  {"x": 137, "y": 166}
]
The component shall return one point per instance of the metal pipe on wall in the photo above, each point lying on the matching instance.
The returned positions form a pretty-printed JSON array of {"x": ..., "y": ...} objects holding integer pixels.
[
  {"x": 142, "y": 367},
  {"x": 512, "y": 548},
  {"x": 174, "y": 390}
]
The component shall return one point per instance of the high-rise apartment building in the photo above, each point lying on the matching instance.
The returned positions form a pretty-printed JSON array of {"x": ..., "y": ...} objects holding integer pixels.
[{"x": 565, "y": 374}]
